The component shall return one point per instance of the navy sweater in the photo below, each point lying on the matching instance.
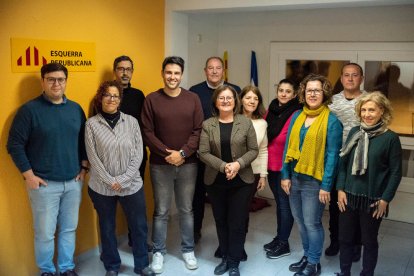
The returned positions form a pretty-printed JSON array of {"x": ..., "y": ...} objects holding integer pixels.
[
  {"x": 48, "y": 138},
  {"x": 204, "y": 93}
]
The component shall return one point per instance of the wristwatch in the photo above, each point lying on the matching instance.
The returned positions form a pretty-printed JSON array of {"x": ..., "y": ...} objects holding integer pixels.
[{"x": 182, "y": 153}]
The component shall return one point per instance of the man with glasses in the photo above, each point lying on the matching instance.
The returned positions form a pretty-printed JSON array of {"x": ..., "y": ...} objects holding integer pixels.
[
  {"x": 46, "y": 143},
  {"x": 131, "y": 104},
  {"x": 214, "y": 71},
  {"x": 172, "y": 119},
  {"x": 132, "y": 98},
  {"x": 343, "y": 106}
]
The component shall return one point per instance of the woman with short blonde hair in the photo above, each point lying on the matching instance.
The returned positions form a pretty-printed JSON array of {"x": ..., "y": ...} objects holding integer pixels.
[{"x": 369, "y": 174}]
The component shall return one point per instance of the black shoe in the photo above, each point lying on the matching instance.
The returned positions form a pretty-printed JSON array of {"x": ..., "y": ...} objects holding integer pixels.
[
  {"x": 146, "y": 272},
  {"x": 217, "y": 253},
  {"x": 310, "y": 270},
  {"x": 234, "y": 271},
  {"x": 197, "y": 236},
  {"x": 333, "y": 249},
  {"x": 69, "y": 273},
  {"x": 48, "y": 274},
  {"x": 221, "y": 268},
  {"x": 111, "y": 273},
  {"x": 356, "y": 253},
  {"x": 295, "y": 267},
  {"x": 281, "y": 250},
  {"x": 269, "y": 246}
]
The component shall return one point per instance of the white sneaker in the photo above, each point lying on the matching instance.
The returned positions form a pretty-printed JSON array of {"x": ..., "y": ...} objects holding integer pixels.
[
  {"x": 157, "y": 264},
  {"x": 190, "y": 260}
]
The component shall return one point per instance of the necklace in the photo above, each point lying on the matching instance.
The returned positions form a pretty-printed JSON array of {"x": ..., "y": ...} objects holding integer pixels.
[{"x": 112, "y": 121}]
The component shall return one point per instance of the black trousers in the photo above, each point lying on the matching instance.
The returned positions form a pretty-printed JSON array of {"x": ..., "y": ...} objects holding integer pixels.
[
  {"x": 334, "y": 220},
  {"x": 350, "y": 222},
  {"x": 333, "y": 216},
  {"x": 199, "y": 198},
  {"x": 230, "y": 209}
]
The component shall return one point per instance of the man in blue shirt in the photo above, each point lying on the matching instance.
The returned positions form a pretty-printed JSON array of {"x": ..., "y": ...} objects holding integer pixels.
[{"x": 46, "y": 143}]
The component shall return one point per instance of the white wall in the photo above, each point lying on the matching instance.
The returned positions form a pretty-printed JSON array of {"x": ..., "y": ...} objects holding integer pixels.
[{"x": 239, "y": 33}]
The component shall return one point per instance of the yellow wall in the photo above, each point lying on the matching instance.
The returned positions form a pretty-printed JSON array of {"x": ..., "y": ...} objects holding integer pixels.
[{"x": 134, "y": 28}]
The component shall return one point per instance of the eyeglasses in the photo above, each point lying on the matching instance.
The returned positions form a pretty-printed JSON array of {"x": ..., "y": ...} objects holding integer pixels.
[
  {"x": 223, "y": 99},
  {"x": 317, "y": 92},
  {"x": 123, "y": 69},
  {"x": 108, "y": 96},
  {"x": 53, "y": 80}
]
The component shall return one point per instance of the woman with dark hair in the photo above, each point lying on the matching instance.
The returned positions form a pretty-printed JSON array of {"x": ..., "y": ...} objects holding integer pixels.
[
  {"x": 309, "y": 167},
  {"x": 114, "y": 147},
  {"x": 369, "y": 175},
  {"x": 252, "y": 108},
  {"x": 228, "y": 145},
  {"x": 278, "y": 119}
]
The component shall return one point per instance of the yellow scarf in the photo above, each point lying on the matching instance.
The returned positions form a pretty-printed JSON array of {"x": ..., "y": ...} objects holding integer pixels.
[{"x": 311, "y": 158}]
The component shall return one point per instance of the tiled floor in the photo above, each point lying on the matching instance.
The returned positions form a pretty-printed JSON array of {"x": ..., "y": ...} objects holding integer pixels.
[{"x": 396, "y": 255}]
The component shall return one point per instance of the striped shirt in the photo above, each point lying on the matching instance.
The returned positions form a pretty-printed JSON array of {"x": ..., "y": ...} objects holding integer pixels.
[
  {"x": 344, "y": 109},
  {"x": 114, "y": 155}
]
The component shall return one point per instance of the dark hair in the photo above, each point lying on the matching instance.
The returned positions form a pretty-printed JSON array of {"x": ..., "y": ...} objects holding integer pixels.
[
  {"x": 103, "y": 88},
  {"x": 288, "y": 81},
  {"x": 173, "y": 60},
  {"x": 217, "y": 92},
  {"x": 122, "y": 58},
  {"x": 352, "y": 64},
  {"x": 260, "y": 110},
  {"x": 326, "y": 87},
  {"x": 218, "y": 58},
  {"x": 53, "y": 67}
]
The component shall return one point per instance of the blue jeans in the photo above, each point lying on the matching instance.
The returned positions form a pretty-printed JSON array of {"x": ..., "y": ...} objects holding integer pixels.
[
  {"x": 135, "y": 213},
  {"x": 307, "y": 211},
  {"x": 55, "y": 206},
  {"x": 283, "y": 213},
  {"x": 166, "y": 180}
]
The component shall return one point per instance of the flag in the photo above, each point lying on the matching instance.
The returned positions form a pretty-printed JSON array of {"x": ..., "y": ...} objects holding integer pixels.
[
  {"x": 225, "y": 73},
  {"x": 254, "y": 78}
]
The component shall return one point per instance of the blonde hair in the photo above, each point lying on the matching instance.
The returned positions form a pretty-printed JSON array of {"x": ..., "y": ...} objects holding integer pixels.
[{"x": 379, "y": 99}]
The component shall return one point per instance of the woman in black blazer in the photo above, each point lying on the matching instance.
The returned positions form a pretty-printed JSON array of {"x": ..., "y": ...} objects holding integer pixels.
[{"x": 228, "y": 145}]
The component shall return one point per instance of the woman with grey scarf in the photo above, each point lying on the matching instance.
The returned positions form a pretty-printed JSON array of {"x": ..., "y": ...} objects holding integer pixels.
[{"x": 369, "y": 174}]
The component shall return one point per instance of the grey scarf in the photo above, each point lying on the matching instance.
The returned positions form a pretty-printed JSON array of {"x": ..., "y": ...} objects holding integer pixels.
[{"x": 361, "y": 138}]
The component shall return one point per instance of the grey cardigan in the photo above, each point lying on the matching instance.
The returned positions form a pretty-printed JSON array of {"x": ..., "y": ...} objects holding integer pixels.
[{"x": 244, "y": 148}]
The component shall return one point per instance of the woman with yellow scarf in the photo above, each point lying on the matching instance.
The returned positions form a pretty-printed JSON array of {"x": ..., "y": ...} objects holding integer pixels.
[{"x": 310, "y": 161}]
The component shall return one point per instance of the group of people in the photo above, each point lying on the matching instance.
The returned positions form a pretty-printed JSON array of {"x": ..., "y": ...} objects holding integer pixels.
[
  {"x": 329, "y": 151},
  {"x": 214, "y": 139}
]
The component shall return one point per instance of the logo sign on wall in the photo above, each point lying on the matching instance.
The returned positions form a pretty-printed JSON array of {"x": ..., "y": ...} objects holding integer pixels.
[{"x": 29, "y": 55}]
